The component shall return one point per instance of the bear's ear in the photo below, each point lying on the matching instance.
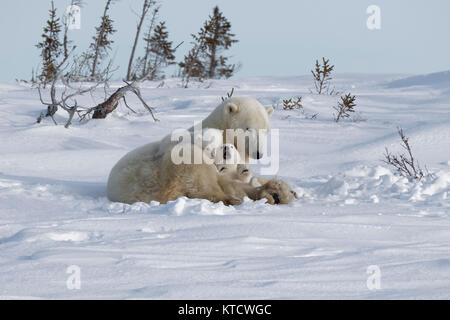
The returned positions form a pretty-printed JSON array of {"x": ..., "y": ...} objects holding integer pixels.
[
  {"x": 198, "y": 139},
  {"x": 231, "y": 108},
  {"x": 269, "y": 110}
]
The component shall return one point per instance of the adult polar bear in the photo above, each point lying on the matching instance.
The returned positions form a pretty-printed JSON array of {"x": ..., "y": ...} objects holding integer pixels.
[{"x": 147, "y": 173}]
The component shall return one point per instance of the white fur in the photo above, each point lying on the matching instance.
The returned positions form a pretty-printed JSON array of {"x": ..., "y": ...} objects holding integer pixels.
[
  {"x": 138, "y": 175},
  {"x": 246, "y": 114},
  {"x": 232, "y": 166},
  {"x": 209, "y": 140}
]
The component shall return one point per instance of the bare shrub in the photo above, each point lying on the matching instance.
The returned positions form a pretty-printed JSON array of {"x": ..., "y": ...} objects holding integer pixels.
[
  {"x": 405, "y": 164},
  {"x": 345, "y": 107}
]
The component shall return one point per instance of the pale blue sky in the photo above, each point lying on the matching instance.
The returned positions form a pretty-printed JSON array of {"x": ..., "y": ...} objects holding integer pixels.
[{"x": 282, "y": 37}]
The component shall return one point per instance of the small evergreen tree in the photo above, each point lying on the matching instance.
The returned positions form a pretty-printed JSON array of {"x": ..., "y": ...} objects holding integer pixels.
[
  {"x": 218, "y": 37},
  {"x": 204, "y": 59},
  {"x": 143, "y": 64},
  {"x": 192, "y": 66},
  {"x": 345, "y": 107},
  {"x": 50, "y": 47},
  {"x": 161, "y": 51},
  {"x": 98, "y": 49},
  {"x": 322, "y": 76}
]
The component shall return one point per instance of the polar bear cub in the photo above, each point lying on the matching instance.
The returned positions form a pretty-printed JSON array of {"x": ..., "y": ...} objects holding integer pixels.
[
  {"x": 226, "y": 157},
  {"x": 246, "y": 175},
  {"x": 228, "y": 163}
]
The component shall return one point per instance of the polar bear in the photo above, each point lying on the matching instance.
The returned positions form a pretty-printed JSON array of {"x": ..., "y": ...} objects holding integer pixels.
[
  {"x": 203, "y": 181},
  {"x": 209, "y": 139},
  {"x": 142, "y": 174}
]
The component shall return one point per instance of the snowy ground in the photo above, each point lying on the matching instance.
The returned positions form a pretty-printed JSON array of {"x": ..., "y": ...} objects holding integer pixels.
[{"x": 353, "y": 212}]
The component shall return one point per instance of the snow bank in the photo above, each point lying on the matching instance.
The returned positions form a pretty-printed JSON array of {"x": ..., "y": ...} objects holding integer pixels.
[
  {"x": 375, "y": 184},
  {"x": 184, "y": 206}
]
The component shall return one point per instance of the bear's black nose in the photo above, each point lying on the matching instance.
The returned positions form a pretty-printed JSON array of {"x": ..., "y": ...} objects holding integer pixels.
[{"x": 225, "y": 153}]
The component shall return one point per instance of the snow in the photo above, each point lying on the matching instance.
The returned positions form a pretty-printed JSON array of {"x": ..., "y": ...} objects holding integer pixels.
[
  {"x": 353, "y": 211},
  {"x": 440, "y": 79}
]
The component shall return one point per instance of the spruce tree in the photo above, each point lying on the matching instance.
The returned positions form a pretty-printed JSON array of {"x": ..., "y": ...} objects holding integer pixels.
[
  {"x": 51, "y": 47},
  {"x": 322, "y": 76},
  {"x": 217, "y": 37},
  {"x": 101, "y": 41},
  {"x": 161, "y": 51},
  {"x": 143, "y": 64},
  {"x": 192, "y": 66},
  {"x": 204, "y": 60}
]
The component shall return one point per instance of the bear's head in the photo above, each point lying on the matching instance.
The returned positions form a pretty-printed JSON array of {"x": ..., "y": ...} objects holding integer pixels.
[
  {"x": 227, "y": 154},
  {"x": 248, "y": 119},
  {"x": 227, "y": 159}
]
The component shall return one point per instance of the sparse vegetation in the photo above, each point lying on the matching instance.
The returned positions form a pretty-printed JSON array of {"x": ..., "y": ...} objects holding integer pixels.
[
  {"x": 51, "y": 48},
  {"x": 322, "y": 77},
  {"x": 68, "y": 99},
  {"x": 161, "y": 53},
  {"x": 63, "y": 67},
  {"x": 146, "y": 6},
  {"x": 89, "y": 65},
  {"x": 345, "y": 106},
  {"x": 143, "y": 64},
  {"x": 291, "y": 104},
  {"x": 295, "y": 103},
  {"x": 405, "y": 164}
]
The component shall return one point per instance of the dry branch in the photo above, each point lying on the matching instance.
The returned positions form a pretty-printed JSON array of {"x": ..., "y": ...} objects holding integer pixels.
[
  {"x": 68, "y": 102},
  {"x": 229, "y": 95},
  {"x": 103, "y": 109}
]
